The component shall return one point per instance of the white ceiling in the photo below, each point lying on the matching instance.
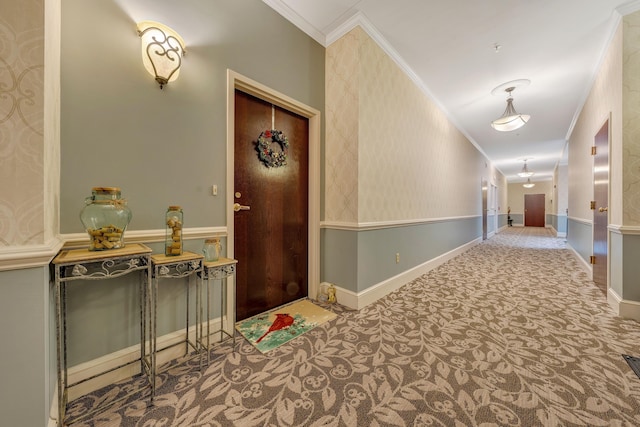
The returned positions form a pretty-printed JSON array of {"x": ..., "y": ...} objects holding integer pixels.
[{"x": 448, "y": 48}]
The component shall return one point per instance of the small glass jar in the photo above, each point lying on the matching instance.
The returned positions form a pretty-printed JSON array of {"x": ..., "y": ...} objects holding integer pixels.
[
  {"x": 211, "y": 249},
  {"x": 105, "y": 216},
  {"x": 173, "y": 242}
]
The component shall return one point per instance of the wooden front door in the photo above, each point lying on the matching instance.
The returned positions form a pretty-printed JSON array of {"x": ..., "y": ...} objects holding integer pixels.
[
  {"x": 601, "y": 212},
  {"x": 271, "y": 225},
  {"x": 534, "y": 210}
]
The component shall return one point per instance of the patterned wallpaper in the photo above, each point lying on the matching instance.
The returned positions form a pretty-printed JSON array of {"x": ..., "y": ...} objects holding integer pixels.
[
  {"x": 631, "y": 120},
  {"x": 341, "y": 158},
  {"x": 409, "y": 156},
  {"x": 562, "y": 195},
  {"x": 605, "y": 98},
  {"x": 21, "y": 123}
]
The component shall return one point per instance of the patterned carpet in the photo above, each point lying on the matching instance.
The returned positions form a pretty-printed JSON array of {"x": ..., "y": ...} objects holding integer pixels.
[{"x": 510, "y": 333}]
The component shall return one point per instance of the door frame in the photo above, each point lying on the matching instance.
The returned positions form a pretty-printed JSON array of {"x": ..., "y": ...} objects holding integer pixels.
[{"x": 247, "y": 85}]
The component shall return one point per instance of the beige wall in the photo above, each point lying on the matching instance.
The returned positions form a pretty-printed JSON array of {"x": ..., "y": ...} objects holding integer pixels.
[
  {"x": 341, "y": 161},
  {"x": 605, "y": 99},
  {"x": 561, "y": 194},
  {"x": 517, "y": 192},
  {"x": 631, "y": 125},
  {"x": 500, "y": 181},
  {"x": 406, "y": 158},
  {"x": 22, "y": 154}
]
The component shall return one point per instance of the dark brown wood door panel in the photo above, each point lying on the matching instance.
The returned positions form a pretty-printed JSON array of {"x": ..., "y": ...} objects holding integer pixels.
[
  {"x": 271, "y": 238},
  {"x": 534, "y": 210}
]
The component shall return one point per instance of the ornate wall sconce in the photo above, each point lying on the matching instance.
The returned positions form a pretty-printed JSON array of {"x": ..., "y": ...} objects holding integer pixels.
[{"x": 162, "y": 51}]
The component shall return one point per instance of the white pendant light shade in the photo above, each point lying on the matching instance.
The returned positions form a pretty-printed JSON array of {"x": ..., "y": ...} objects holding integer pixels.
[
  {"x": 510, "y": 119},
  {"x": 525, "y": 173},
  {"x": 528, "y": 184}
]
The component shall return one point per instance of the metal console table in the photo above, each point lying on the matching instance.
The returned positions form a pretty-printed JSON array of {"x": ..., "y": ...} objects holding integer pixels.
[
  {"x": 218, "y": 270},
  {"x": 82, "y": 264},
  {"x": 189, "y": 265}
]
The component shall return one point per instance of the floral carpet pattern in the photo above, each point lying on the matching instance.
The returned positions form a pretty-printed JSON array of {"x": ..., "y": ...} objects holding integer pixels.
[{"x": 510, "y": 333}]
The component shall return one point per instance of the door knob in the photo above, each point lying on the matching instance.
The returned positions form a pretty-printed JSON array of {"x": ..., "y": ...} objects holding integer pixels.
[
  {"x": 238, "y": 207},
  {"x": 604, "y": 209}
]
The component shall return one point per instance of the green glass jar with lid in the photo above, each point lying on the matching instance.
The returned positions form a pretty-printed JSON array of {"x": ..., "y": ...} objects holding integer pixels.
[
  {"x": 211, "y": 249},
  {"x": 105, "y": 217},
  {"x": 174, "y": 222}
]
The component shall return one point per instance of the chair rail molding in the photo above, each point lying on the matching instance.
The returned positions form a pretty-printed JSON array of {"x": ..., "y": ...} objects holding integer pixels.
[{"x": 22, "y": 257}]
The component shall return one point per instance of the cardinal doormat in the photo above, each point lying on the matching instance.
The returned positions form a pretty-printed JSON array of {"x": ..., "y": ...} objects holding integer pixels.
[{"x": 269, "y": 330}]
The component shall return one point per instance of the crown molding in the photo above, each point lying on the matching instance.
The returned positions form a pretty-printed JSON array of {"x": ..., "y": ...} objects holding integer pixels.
[
  {"x": 297, "y": 20},
  {"x": 628, "y": 8}
]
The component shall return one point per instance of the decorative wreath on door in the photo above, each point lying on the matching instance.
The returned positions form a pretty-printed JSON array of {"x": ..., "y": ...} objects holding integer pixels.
[{"x": 267, "y": 155}]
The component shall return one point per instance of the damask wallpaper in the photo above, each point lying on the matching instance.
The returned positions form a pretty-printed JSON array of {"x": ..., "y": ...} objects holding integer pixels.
[
  {"x": 392, "y": 154},
  {"x": 342, "y": 110},
  {"x": 605, "y": 98},
  {"x": 631, "y": 125},
  {"x": 21, "y": 123}
]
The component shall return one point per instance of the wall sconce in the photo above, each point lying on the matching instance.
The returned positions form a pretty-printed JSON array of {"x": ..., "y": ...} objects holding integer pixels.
[{"x": 162, "y": 51}]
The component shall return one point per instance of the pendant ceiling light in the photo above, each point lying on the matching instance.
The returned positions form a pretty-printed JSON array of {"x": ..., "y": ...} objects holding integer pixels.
[
  {"x": 525, "y": 173},
  {"x": 510, "y": 119},
  {"x": 528, "y": 184}
]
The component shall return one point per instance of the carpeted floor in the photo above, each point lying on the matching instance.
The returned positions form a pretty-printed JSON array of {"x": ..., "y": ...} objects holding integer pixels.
[{"x": 511, "y": 333}]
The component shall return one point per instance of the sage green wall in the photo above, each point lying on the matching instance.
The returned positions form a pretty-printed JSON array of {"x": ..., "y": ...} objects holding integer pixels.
[
  {"x": 580, "y": 237},
  {"x": 502, "y": 221},
  {"x": 558, "y": 222},
  {"x": 625, "y": 268},
  {"x": 25, "y": 350},
  {"x": 362, "y": 259},
  {"x": 167, "y": 146},
  {"x": 161, "y": 147},
  {"x": 416, "y": 245},
  {"x": 339, "y": 260}
]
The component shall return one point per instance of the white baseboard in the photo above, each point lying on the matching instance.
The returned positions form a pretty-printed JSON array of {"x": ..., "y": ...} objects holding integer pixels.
[
  {"x": 556, "y": 232},
  {"x": 623, "y": 308},
  {"x": 53, "y": 410},
  {"x": 361, "y": 299},
  {"x": 614, "y": 300},
  {"x": 588, "y": 268},
  {"x": 88, "y": 369}
]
